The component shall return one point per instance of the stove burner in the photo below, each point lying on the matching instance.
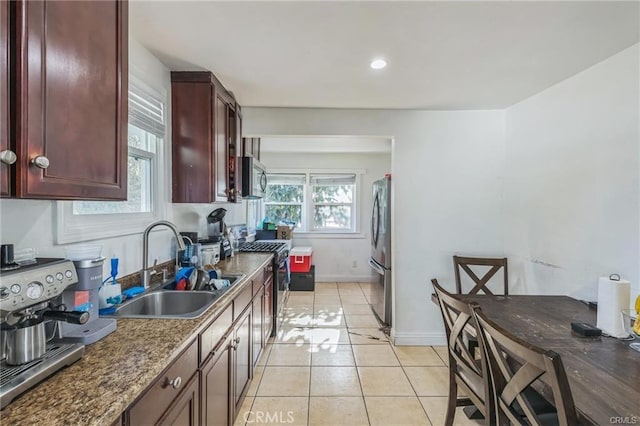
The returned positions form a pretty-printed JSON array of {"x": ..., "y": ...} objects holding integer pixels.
[{"x": 258, "y": 246}]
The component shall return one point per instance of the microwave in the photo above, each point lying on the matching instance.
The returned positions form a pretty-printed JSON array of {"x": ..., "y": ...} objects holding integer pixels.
[{"x": 254, "y": 178}]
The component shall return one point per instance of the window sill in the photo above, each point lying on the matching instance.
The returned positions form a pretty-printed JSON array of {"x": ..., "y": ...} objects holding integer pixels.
[{"x": 329, "y": 235}]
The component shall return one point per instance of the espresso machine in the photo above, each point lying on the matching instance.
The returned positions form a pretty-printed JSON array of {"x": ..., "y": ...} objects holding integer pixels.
[{"x": 27, "y": 301}]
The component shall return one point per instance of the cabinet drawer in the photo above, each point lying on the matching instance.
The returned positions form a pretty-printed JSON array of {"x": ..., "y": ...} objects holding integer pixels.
[
  {"x": 210, "y": 337},
  {"x": 242, "y": 301},
  {"x": 161, "y": 394}
]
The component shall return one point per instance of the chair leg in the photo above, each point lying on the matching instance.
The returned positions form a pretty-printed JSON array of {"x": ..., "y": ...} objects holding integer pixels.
[{"x": 452, "y": 400}]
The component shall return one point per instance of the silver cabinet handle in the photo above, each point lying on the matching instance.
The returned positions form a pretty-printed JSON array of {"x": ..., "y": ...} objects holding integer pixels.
[
  {"x": 237, "y": 340},
  {"x": 175, "y": 383},
  {"x": 40, "y": 161},
  {"x": 8, "y": 156}
]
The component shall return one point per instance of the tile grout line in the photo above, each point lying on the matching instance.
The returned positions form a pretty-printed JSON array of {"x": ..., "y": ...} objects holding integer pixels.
[{"x": 412, "y": 387}]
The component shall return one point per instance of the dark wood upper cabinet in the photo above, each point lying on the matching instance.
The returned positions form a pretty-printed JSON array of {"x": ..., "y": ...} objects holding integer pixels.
[
  {"x": 251, "y": 147},
  {"x": 204, "y": 126},
  {"x": 235, "y": 154},
  {"x": 192, "y": 132},
  {"x": 71, "y": 69},
  {"x": 222, "y": 149},
  {"x": 7, "y": 155}
]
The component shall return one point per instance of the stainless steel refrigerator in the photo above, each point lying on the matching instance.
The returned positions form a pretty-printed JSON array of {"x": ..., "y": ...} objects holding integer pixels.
[{"x": 381, "y": 249}]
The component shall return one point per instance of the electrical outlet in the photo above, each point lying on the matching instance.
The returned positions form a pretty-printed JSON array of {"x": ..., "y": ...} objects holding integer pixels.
[{"x": 354, "y": 264}]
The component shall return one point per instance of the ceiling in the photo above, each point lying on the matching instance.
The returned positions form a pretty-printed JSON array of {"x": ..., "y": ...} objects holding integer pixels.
[
  {"x": 442, "y": 55},
  {"x": 324, "y": 145}
]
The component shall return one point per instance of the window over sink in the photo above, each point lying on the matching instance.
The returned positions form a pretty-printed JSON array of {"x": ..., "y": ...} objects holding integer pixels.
[{"x": 86, "y": 220}]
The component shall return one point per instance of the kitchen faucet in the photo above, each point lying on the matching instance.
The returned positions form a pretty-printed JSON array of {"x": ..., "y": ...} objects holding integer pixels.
[{"x": 146, "y": 271}]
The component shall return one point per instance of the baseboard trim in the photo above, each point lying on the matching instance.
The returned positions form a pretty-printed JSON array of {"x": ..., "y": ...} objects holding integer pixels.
[
  {"x": 418, "y": 338},
  {"x": 344, "y": 278}
]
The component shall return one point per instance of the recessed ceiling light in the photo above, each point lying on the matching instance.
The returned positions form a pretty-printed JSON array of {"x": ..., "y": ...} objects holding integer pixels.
[{"x": 378, "y": 64}]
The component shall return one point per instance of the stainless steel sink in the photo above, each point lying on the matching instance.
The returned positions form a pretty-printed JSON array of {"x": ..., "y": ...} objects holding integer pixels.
[
  {"x": 167, "y": 304},
  {"x": 232, "y": 278}
]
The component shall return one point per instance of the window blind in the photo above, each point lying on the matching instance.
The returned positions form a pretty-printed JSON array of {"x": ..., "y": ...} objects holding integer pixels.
[
  {"x": 333, "y": 179},
  {"x": 146, "y": 111},
  {"x": 286, "y": 179}
]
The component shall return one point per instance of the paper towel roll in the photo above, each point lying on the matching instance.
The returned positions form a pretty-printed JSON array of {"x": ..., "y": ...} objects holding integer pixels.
[{"x": 613, "y": 297}]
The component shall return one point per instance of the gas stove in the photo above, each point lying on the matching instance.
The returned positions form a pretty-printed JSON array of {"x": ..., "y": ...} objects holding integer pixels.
[{"x": 280, "y": 249}]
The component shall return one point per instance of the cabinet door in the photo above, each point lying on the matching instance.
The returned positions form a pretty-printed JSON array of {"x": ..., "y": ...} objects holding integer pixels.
[
  {"x": 185, "y": 409},
  {"x": 5, "y": 174},
  {"x": 267, "y": 325},
  {"x": 243, "y": 367},
  {"x": 215, "y": 385},
  {"x": 192, "y": 136},
  {"x": 168, "y": 388},
  {"x": 71, "y": 99},
  {"x": 237, "y": 142},
  {"x": 221, "y": 153},
  {"x": 258, "y": 335}
]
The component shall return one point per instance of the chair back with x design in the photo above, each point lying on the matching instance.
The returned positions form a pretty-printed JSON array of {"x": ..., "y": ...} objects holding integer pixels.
[
  {"x": 496, "y": 264},
  {"x": 515, "y": 366},
  {"x": 465, "y": 370}
]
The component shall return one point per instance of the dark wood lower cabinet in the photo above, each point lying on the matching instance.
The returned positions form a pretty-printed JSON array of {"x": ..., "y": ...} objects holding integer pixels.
[
  {"x": 258, "y": 317},
  {"x": 215, "y": 378},
  {"x": 228, "y": 349},
  {"x": 185, "y": 410},
  {"x": 243, "y": 365},
  {"x": 268, "y": 320},
  {"x": 163, "y": 396}
]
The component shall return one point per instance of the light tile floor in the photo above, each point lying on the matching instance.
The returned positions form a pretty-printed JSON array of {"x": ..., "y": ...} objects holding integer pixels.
[{"x": 331, "y": 365}]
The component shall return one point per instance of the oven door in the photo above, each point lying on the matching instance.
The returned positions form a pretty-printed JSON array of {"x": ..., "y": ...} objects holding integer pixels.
[
  {"x": 281, "y": 293},
  {"x": 284, "y": 278}
]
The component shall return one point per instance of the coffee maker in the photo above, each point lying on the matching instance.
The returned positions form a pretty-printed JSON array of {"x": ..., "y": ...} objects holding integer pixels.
[
  {"x": 217, "y": 232},
  {"x": 27, "y": 295}
]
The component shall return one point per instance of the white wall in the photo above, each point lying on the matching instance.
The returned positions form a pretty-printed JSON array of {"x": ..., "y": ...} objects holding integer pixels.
[
  {"x": 334, "y": 257},
  {"x": 572, "y": 182},
  {"x": 446, "y": 193},
  {"x": 30, "y": 223}
]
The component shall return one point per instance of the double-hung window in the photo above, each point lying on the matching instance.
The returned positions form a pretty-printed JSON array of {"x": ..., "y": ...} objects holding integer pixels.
[
  {"x": 333, "y": 202},
  {"x": 284, "y": 201},
  {"x": 84, "y": 220},
  {"x": 313, "y": 202}
]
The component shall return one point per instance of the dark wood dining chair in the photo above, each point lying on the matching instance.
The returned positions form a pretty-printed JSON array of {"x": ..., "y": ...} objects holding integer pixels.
[
  {"x": 480, "y": 283},
  {"x": 469, "y": 374},
  {"x": 515, "y": 366}
]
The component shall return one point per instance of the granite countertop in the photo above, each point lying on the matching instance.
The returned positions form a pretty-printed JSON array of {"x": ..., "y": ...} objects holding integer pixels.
[{"x": 115, "y": 370}]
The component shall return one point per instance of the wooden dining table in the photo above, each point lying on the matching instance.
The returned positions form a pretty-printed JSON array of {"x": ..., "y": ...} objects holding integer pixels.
[{"x": 603, "y": 372}]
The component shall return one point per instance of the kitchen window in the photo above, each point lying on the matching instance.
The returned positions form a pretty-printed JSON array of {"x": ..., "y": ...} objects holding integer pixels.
[
  {"x": 85, "y": 220},
  {"x": 284, "y": 200},
  {"x": 315, "y": 202}
]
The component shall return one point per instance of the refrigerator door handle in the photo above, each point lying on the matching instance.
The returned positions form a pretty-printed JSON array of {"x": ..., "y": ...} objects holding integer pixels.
[
  {"x": 379, "y": 269},
  {"x": 375, "y": 221}
]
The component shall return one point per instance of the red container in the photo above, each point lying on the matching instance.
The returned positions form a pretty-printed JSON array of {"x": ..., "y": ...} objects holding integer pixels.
[{"x": 300, "y": 259}]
